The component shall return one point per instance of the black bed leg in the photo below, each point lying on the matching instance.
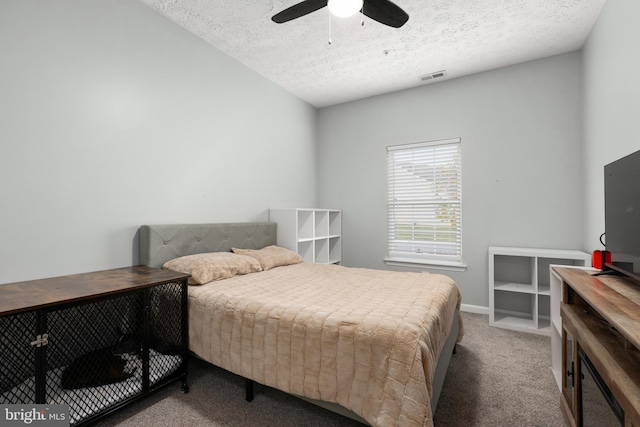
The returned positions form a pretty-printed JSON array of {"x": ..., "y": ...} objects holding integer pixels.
[
  {"x": 455, "y": 348},
  {"x": 248, "y": 385}
]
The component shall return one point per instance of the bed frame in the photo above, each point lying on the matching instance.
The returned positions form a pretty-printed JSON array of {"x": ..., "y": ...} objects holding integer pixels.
[{"x": 161, "y": 243}]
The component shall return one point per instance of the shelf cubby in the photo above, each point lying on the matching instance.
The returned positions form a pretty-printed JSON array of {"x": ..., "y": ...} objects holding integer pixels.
[{"x": 305, "y": 225}]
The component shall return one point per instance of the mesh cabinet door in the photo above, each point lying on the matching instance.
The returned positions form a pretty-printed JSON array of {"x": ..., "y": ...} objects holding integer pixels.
[
  {"x": 94, "y": 355},
  {"x": 167, "y": 348},
  {"x": 17, "y": 359}
]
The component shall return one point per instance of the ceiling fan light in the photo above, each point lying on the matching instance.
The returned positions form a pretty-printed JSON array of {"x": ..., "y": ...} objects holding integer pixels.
[{"x": 345, "y": 8}]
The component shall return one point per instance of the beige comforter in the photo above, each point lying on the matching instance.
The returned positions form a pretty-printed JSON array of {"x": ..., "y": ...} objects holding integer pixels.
[{"x": 368, "y": 340}]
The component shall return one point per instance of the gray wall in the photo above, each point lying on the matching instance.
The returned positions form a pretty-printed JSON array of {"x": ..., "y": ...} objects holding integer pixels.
[
  {"x": 521, "y": 134},
  {"x": 611, "y": 92},
  {"x": 112, "y": 116}
]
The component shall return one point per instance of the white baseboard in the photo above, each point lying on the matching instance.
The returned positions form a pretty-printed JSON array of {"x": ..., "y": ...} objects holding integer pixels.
[{"x": 478, "y": 309}]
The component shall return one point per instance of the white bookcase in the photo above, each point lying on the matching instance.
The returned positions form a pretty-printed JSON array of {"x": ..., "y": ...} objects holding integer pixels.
[
  {"x": 313, "y": 233},
  {"x": 520, "y": 286}
]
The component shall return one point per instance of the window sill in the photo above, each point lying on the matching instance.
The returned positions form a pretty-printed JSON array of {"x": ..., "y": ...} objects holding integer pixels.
[{"x": 426, "y": 264}]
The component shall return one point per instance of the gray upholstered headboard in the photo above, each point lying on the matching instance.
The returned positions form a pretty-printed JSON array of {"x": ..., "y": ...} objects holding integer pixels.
[{"x": 161, "y": 243}]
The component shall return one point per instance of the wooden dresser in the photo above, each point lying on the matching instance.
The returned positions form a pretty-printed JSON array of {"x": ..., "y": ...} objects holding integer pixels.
[{"x": 600, "y": 321}]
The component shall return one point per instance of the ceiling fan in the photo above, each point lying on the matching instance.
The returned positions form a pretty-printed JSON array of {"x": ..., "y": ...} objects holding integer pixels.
[{"x": 383, "y": 11}]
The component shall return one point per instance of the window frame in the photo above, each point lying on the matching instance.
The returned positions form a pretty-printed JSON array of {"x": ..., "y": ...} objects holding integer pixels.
[{"x": 432, "y": 258}]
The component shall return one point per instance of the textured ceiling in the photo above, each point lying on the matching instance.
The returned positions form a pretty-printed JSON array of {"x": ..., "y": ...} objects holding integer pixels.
[{"x": 461, "y": 37}]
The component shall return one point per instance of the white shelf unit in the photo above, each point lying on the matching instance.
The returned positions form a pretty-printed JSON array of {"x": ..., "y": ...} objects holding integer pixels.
[
  {"x": 520, "y": 286},
  {"x": 313, "y": 233}
]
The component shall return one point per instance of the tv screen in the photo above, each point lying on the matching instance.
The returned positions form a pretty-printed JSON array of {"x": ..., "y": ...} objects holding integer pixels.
[{"x": 622, "y": 214}]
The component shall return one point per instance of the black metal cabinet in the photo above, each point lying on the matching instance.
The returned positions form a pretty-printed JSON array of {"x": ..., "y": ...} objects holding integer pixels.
[{"x": 94, "y": 341}]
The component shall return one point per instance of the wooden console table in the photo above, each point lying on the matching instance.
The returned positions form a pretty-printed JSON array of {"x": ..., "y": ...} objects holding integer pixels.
[
  {"x": 601, "y": 319},
  {"x": 59, "y": 336}
]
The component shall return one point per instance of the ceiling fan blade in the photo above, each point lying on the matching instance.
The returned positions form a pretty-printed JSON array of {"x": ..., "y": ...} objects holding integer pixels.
[
  {"x": 385, "y": 12},
  {"x": 297, "y": 10}
]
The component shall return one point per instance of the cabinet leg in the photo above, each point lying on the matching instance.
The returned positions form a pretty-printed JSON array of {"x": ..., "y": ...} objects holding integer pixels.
[{"x": 248, "y": 384}]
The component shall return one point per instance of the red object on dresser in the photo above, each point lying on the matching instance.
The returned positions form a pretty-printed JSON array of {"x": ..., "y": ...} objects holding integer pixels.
[{"x": 600, "y": 258}]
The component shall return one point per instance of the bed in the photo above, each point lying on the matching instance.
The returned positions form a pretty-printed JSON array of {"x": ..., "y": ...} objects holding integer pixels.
[{"x": 372, "y": 345}]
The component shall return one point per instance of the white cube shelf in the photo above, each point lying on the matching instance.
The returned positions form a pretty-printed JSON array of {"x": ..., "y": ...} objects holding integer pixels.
[
  {"x": 520, "y": 286},
  {"x": 313, "y": 233}
]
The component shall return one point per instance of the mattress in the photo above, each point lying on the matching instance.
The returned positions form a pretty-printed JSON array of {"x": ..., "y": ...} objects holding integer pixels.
[{"x": 368, "y": 340}]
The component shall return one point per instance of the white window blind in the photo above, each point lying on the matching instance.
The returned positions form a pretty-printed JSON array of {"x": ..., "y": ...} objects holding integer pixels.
[{"x": 425, "y": 202}]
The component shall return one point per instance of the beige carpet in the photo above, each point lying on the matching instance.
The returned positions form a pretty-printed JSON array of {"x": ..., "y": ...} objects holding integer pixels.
[{"x": 497, "y": 378}]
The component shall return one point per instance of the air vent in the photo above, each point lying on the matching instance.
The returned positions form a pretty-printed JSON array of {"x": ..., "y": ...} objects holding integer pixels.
[{"x": 432, "y": 76}]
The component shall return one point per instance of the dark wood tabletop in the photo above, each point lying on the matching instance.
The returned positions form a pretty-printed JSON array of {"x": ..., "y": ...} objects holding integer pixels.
[{"x": 35, "y": 294}]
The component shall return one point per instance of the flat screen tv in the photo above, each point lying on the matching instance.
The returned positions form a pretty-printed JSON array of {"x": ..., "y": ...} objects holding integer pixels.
[{"x": 622, "y": 214}]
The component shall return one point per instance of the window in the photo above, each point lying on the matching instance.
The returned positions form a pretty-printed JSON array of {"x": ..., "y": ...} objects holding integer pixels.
[{"x": 424, "y": 203}]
